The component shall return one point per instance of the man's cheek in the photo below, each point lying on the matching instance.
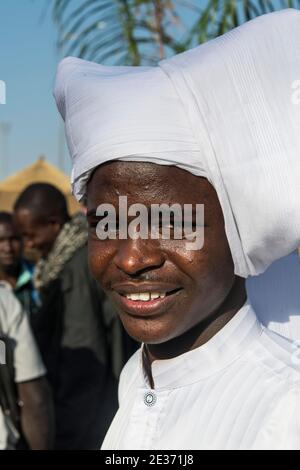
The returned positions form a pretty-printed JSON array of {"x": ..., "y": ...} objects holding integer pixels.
[
  {"x": 98, "y": 264},
  {"x": 93, "y": 265}
]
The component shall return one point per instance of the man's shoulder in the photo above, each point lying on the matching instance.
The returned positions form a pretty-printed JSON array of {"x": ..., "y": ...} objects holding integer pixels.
[
  {"x": 5, "y": 285},
  {"x": 6, "y": 293},
  {"x": 76, "y": 266},
  {"x": 279, "y": 386},
  {"x": 10, "y": 308},
  {"x": 280, "y": 358}
]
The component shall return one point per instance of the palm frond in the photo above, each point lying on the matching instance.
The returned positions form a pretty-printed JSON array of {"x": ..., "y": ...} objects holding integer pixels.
[
  {"x": 90, "y": 27},
  {"x": 144, "y": 31}
]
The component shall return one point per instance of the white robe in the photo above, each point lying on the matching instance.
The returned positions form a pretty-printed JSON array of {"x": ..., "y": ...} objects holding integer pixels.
[{"x": 241, "y": 390}]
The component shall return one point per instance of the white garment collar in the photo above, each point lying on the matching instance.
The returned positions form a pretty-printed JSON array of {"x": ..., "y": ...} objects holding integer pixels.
[{"x": 224, "y": 348}]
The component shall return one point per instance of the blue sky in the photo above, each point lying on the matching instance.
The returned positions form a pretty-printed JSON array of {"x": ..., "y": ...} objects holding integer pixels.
[{"x": 28, "y": 59}]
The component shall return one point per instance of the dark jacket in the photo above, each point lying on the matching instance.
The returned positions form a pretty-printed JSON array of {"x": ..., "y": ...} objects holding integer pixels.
[{"x": 84, "y": 348}]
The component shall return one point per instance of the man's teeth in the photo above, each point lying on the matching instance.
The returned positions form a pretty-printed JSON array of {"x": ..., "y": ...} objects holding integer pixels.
[{"x": 145, "y": 296}]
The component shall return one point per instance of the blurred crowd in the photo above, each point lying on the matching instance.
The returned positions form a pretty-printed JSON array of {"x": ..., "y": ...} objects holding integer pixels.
[{"x": 65, "y": 345}]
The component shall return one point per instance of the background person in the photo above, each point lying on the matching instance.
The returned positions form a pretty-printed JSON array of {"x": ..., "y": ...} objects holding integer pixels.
[
  {"x": 81, "y": 339},
  {"x": 14, "y": 268},
  {"x": 33, "y": 420}
]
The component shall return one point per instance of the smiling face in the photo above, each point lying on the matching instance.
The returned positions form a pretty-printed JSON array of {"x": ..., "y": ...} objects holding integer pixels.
[
  {"x": 193, "y": 283},
  {"x": 38, "y": 233}
]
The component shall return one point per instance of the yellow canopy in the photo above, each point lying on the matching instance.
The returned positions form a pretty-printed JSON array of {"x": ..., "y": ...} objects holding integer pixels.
[{"x": 39, "y": 172}]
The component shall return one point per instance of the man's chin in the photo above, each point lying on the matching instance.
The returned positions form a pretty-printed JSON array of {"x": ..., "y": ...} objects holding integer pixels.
[{"x": 149, "y": 330}]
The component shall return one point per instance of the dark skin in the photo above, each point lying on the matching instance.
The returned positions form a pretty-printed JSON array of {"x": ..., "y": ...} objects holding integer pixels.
[
  {"x": 37, "y": 415},
  {"x": 209, "y": 293},
  {"x": 10, "y": 252},
  {"x": 38, "y": 231}
]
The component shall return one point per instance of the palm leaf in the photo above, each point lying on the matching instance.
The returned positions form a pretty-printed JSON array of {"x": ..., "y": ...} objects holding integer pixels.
[
  {"x": 89, "y": 28},
  {"x": 143, "y": 31}
]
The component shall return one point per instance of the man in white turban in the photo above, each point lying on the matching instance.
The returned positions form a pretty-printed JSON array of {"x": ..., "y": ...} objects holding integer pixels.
[{"x": 216, "y": 126}]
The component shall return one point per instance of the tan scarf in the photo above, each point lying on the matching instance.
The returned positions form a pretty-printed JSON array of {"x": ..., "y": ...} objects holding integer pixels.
[{"x": 72, "y": 236}]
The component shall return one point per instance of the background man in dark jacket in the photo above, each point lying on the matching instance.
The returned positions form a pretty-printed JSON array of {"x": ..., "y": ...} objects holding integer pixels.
[{"x": 80, "y": 337}]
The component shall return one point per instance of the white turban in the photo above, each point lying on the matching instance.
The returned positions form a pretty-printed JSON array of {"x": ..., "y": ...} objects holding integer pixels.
[{"x": 224, "y": 110}]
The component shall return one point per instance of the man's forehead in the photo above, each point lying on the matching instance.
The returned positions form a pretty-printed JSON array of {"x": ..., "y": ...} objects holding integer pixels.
[
  {"x": 8, "y": 228},
  {"x": 115, "y": 172},
  {"x": 147, "y": 180},
  {"x": 28, "y": 220}
]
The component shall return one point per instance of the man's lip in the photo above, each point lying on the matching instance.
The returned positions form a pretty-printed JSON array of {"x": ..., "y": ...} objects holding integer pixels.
[
  {"x": 145, "y": 309},
  {"x": 136, "y": 288}
]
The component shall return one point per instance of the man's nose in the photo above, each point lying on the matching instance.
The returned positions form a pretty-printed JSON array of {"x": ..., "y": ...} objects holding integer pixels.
[{"x": 134, "y": 256}]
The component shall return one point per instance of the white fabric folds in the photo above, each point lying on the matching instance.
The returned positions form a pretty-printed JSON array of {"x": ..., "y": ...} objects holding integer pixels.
[
  {"x": 225, "y": 110},
  {"x": 239, "y": 391}
]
